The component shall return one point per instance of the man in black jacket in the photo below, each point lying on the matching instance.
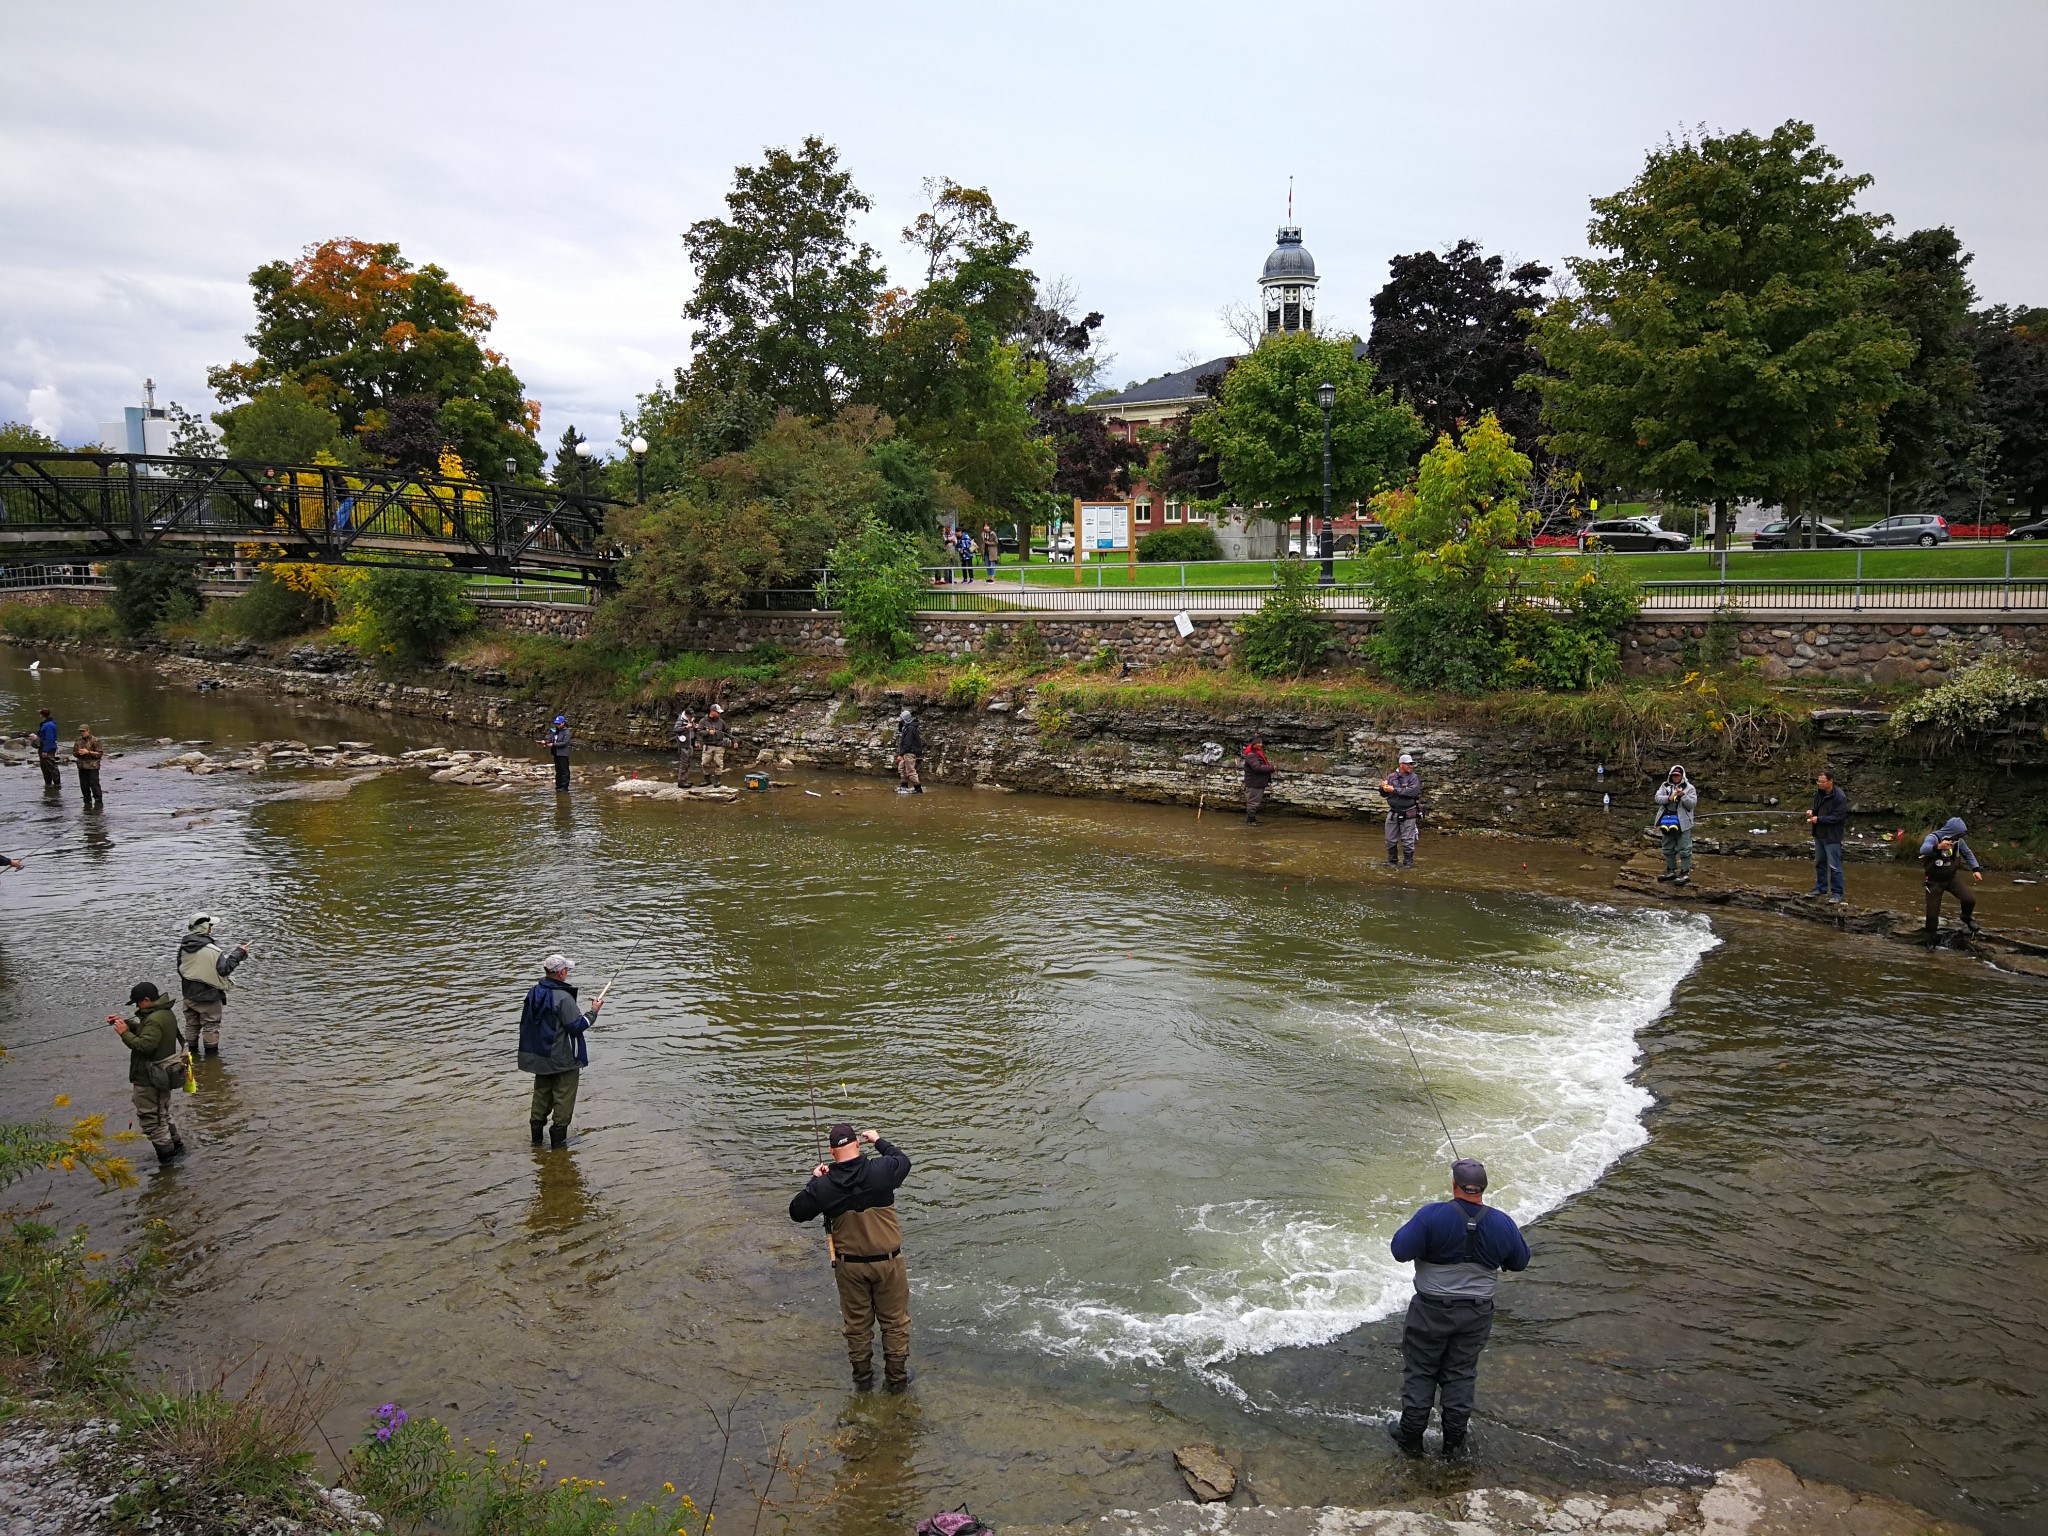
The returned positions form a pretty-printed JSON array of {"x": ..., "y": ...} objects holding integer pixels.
[
  {"x": 909, "y": 749},
  {"x": 857, "y": 1197},
  {"x": 1258, "y": 773},
  {"x": 1829, "y": 815}
]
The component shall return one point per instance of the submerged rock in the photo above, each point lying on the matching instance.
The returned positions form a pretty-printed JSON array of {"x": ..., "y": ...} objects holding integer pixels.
[
  {"x": 654, "y": 789},
  {"x": 1208, "y": 1473}
]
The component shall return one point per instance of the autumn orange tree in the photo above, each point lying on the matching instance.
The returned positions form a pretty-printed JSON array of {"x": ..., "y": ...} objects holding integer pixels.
[{"x": 368, "y": 336}]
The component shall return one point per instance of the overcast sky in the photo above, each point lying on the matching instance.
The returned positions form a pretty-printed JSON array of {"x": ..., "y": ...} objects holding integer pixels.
[{"x": 549, "y": 156}]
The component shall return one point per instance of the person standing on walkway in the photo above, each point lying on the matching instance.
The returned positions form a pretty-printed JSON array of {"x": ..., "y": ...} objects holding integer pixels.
[
  {"x": 551, "y": 1026},
  {"x": 909, "y": 753},
  {"x": 46, "y": 753},
  {"x": 1676, "y": 797},
  {"x": 87, "y": 753},
  {"x": 156, "y": 1066},
  {"x": 686, "y": 746},
  {"x": 557, "y": 742},
  {"x": 1943, "y": 856},
  {"x": 1258, "y": 773},
  {"x": 1459, "y": 1247},
  {"x": 716, "y": 738},
  {"x": 966, "y": 551},
  {"x": 857, "y": 1197},
  {"x": 203, "y": 972},
  {"x": 1403, "y": 789},
  {"x": 1828, "y": 817},
  {"x": 991, "y": 549}
]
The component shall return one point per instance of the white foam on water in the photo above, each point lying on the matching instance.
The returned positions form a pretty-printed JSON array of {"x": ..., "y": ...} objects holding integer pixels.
[{"x": 1531, "y": 1056}]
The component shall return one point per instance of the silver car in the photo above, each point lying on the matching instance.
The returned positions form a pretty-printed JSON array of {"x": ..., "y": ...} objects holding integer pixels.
[{"x": 1923, "y": 528}]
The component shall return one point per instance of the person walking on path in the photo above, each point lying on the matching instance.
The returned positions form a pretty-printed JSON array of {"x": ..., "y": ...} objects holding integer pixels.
[
  {"x": 857, "y": 1197},
  {"x": 203, "y": 972},
  {"x": 1403, "y": 789},
  {"x": 1828, "y": 816},
  {"x": 716, "y": 738},
  {"x": 991, "y": 549},
  {"x": 1459, "y": 1247},
  {"x": 966, "y": 551},
  {"x": 686, "y": 746},
  {"x": 1676, "y": 797},
  {"x": 88, "y": 754},
  {"x": 1258, "y": 773},
  {"x": 557, "y": 742},
  {"x": 1943, "y": 856},
  {"x": 46, "y": 753},
  {"x": 156, "y": 1066},
  {"x": 551, "y": 1047},
  {"x": 909, "y": 753}
]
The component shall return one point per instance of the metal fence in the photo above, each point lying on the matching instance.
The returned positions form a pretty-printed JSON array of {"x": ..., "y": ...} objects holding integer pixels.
[{"x": 231, "y": 580}]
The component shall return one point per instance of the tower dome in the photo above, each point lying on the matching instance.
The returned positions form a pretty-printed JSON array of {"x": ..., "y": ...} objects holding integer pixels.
[{"x": 1287, "y": 286}]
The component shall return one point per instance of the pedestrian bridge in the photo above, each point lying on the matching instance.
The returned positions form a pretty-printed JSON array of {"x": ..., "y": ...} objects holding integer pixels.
[{"x": 115, "y": 506}]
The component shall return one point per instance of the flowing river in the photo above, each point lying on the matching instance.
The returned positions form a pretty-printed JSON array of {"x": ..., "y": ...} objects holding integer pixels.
[{"x": 1785, "y": 1184}]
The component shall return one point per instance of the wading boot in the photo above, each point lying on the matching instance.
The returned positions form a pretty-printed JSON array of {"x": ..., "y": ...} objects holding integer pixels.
[
  {"x": 558, "y": 1136},
  {"x": 1971, "y": 924},
  {"x": 897, "y": 1374},
  {"x": 165, "y": 1154},
  {"x": 536, "y": 1126},
  {"x": 1454, "y": 1445},
  {"x": 1683, "y": 877},
  {"x": 1405, "y": 1443},
  {"x": 1251, "y": 821},
  {"x": 213, "y": 1050},
  {"x": 864, "y": 1381},
  {"x": 1393, "y": 856},
  {"x": 1408, "y": 858}
]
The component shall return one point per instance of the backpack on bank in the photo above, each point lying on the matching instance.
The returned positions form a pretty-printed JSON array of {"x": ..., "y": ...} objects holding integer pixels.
[{"x": 953, "y": 1522}]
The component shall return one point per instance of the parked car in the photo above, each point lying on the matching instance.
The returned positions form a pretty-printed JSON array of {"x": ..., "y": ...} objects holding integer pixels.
[
  {"x": 1923, "y": 528},
  {"x": 1062, "y": 548},
  {"x": 1632, "y": 533},
  {"x": 2034, "y": 530},
  {"x": 1784, "y": 534}
]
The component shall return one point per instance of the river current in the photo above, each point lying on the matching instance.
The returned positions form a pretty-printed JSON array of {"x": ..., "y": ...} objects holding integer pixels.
[{"x": 1162, "y": 1081}]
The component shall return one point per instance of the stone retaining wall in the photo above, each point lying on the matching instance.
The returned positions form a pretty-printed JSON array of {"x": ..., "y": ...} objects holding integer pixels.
[{"x": 1860, "y": 651}]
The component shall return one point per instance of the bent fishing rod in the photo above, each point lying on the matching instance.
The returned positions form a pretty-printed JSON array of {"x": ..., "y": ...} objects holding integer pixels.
[{"x": 1427, "y": 1090}]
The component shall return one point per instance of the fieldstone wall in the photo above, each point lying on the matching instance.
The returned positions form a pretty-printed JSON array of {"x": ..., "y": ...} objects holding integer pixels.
[
  {"x": 1857, "y": 652},
  {"x": 54, "y": 597}
]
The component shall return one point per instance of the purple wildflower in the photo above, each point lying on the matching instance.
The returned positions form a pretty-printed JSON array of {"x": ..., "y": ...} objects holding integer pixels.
[
  {"x": 383, "y": 1431},
  {"x": 399, "y": 1417},
  {"x": 387, "y": 1410}
]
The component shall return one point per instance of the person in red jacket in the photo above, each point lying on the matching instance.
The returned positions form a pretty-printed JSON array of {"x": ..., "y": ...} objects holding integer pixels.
[{"x": 1258, "y": 773}]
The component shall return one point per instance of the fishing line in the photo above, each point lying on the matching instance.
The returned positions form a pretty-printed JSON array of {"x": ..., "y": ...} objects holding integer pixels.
[
  {"x": 53, "y": 1039},
  {"x": 1420, "y": 1077}
]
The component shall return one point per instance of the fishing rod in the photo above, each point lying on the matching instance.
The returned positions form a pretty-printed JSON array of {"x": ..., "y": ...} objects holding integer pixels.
[
  {"x": 57, "y": 847},
  {"x": 1424, "y": 1080},
  {"x": 605, "y": 991},
  {"x": 803, "y": 1034}
]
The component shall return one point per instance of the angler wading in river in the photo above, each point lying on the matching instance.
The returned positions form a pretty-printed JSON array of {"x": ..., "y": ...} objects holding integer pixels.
[
  {"x": 204, "y": 969},
  {"x": 551, "y": 1026},
  {"x": 1403, "y": 789},
  {"x": 1676, "y": 797},
  {"x": 156, "y": 1066},
  {"x": 1459, "y": 1247},
  {"x": 557, "y": 742},
  {"x": 1943, "y": 857},
  {"x": 857, "y": 1197}
]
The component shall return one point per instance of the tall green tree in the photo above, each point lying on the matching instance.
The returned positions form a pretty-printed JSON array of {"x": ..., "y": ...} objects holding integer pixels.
[
  {"x": 358, "y": 329},
  {"x": 784, "y": 292},
  {"x": 2010, "y": 349},
  {"x": 1266, "y": 429},
  {"x": 1731, "y": 342}
]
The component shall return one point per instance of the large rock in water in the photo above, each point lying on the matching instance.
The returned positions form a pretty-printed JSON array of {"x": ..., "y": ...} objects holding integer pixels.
[{"x": 1209, "y": 1475}]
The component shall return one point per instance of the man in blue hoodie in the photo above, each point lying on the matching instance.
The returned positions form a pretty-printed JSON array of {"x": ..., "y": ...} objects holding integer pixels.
[
  {"x": 1459, "y": 1247},
  {"x": 46, "y": 754},
  {"x": 1944, "y": 855},
  {"x": 551, "y": 1047}
]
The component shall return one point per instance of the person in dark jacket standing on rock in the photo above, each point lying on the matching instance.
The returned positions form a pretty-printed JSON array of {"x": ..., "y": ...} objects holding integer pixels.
[
  {"x": 551, "y": 1026},
  {"x": 1943, "y": 856},
  {"x": 46, "y": 753},
  {"x": 156, "y": 1066},
  {"x": 686, "y": 746},
  {"x": 716, "y": 738},
  {"x": 557, "y": 742},
  {"x": 88, "y": 754},
  {"x": 857, "y": 1197},
  {"x": 1676, "y": 797},
  {"x": 1403, "y": 789},
  {"x": 203, "y": 972},
  {"x": 1258, "y": 773},
  {"x": 1828, "y": 816},
  {"x": 1459, "y": 1247},
  {"x": 909, "y": 753}
]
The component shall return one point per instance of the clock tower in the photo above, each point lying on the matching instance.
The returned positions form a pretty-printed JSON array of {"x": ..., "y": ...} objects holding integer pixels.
[{"x": 1287, "y": 286}]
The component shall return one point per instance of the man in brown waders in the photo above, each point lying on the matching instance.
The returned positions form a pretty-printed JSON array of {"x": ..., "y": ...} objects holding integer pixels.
[{"x": 857, "y": 1197}]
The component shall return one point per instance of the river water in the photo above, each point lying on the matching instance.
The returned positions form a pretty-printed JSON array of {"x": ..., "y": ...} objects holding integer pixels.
[{"x": 1784, "y": 1184}]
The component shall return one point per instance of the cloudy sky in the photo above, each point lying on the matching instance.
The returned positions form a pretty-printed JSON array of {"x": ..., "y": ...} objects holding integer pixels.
[{"x": 549, "y": 156}]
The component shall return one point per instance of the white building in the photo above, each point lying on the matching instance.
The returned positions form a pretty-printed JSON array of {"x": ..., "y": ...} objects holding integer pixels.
[{"x": 142, "y": 428}]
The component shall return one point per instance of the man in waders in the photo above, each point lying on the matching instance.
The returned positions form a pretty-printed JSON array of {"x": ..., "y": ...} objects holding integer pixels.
[
  {"x": 1458, "y": 1247},
  {"x": 156, "y": 1066},
  {"x": 203, "y": 972},
  {"x": 46, "y": 753},
  {"x": 1403, "y": 789},
  {"x": 88, "y": 754},
  {"x": 557, "y": 743},
  {"x": 686, "y": 745},
  {"x": 716, "y": 739},
  {"x": 1943, "y": 856},
  {"x": 909, "y": 749},
  {"x": 551, "y": 1047},
  {"x": 1258, "y": 773},
  {"x": 1676, "y": 797},
  {"x": 857, "y": 1197}
]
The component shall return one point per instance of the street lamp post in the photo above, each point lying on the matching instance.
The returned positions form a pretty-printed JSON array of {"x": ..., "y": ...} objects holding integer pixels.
[
  {"x": 638, "y": 448},
  {"x": 585, "y": 452},
  {"x": 1326, "y": 397}
]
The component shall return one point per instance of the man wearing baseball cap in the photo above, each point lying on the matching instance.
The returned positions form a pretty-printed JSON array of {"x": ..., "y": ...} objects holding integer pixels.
[
  {"x": 857, "y": 1197},
  {"x": 551, "y": 1047},
  {"x": 557, "y": 743},
  {"x": 1403, "y": 789},
  {"x": 1459, "y": 1247}
]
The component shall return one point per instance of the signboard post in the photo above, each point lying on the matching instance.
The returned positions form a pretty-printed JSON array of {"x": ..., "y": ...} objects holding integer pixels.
[{"x": 1104, "y": 527}]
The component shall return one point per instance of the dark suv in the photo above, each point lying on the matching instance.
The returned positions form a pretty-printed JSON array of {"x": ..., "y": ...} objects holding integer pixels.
[
  {"x": 1632, "y": 533},
  {"x": 1787, "y": 535}
]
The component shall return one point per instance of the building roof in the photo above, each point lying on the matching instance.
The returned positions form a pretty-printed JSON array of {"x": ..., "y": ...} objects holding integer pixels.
[
  {"x": 1184, "y": 385},
  {"x": 1290, "y": 258}
]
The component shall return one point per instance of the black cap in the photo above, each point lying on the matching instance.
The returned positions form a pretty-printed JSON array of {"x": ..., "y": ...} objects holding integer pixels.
[
  {"x": 142, "y": 992},
  {"x": 1468, "y": 1173},
  {"x": 842, "y": 1134}
]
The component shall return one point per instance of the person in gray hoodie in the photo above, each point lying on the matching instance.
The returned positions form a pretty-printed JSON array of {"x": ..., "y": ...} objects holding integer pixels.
[
  {"x": 1676, "y": 797},
  {"x": 1943, "y": 856}
]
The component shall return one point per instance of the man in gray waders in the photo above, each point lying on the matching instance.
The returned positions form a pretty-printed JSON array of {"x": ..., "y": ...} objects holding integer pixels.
[
  {"x": 686, "y": 746},
  {"x": 1403, "y": 791},
  {"x": 1459, "y": 1247},
  {"x": 203, "y": 972},
  {"x": 557, "y": 742},
  {"x": 551, "y": 1026},
  {"x": 857, "y": 1197}
]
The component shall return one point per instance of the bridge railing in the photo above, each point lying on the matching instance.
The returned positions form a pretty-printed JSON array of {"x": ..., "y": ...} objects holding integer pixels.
[{"x": 134, "y": 506}]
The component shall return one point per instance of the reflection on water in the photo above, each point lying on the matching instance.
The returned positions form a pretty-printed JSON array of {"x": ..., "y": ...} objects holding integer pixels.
[{"x": 1155, "y": 1080}]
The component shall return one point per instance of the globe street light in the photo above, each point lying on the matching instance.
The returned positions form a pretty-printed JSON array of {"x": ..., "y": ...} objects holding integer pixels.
[
  {"x": 586, "y": 451},
  {"x": 638, "y": 448},
  {"x": 1326, "y": 397}
]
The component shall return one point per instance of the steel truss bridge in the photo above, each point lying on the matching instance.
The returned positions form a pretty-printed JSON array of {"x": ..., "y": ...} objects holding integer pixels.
[{"x": 116, "y": 506}]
